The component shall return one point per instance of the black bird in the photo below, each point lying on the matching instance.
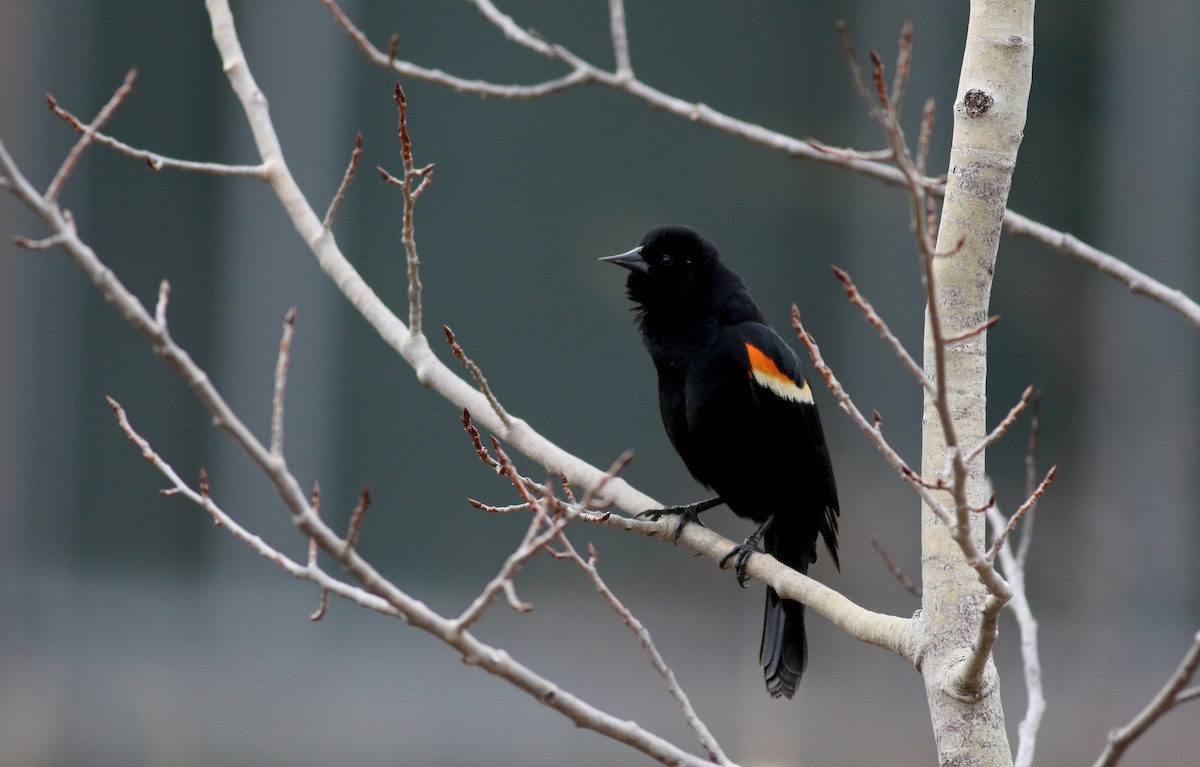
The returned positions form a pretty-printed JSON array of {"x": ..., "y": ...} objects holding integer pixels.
[{"x": 741, "y": 416}]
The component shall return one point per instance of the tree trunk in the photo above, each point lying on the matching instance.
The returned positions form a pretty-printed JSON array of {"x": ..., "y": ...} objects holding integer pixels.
[{"x": 989, "y": 117}]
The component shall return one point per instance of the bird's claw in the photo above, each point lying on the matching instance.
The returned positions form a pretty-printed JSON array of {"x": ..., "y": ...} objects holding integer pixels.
[
  {"x": 686, "y": 514},
  {"x": 740, "y": 554}
]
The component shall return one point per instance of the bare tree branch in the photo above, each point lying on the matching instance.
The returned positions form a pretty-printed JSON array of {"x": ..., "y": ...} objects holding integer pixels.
[
  {"x": 382, "y": 596},
  {"x": 1171, "y": 695},
  {"x": 422, "y": 178},
  {"x": 203, "y": 499},
  {"x": 1138, "y": 283},
  {"x": 877, "y": 322},
  {"x": 870, "y": 427},
  {"x": 1027, "y": 626},
  {"x": 89, "y": 134},
  {"x": 588, "y": 566},
  {"x": 153, "y": 160},
  {"x": 543, "y": 528}
]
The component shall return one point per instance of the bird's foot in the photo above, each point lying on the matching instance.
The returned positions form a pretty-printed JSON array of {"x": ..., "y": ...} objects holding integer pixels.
[
  {"x": 740, "y": 554},
  {"x": 686, "y": 514}
]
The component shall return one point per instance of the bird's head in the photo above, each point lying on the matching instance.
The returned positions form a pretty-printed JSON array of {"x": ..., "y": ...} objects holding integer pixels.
[{"x": 675, "y": 271}]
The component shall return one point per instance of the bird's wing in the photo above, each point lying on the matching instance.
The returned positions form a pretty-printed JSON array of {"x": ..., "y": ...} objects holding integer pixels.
[{"x": 778, "y": 395}]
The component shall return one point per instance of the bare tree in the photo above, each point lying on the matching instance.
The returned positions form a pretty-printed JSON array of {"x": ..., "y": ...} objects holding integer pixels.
[{"x": 949, "y": 641}]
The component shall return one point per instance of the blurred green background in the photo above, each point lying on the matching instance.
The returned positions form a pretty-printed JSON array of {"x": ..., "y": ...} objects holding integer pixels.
[{"x": 132, "y": 632}]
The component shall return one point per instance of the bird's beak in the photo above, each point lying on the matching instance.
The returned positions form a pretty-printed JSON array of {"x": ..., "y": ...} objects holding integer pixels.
[{"x": 632, "y": 260}]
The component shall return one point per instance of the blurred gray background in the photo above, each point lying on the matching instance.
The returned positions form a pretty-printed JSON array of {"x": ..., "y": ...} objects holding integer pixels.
[{"x": 133, "y": 632}]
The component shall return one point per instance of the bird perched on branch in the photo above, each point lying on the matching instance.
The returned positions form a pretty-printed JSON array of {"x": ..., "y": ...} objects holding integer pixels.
[{"x": 741, "y": 415}]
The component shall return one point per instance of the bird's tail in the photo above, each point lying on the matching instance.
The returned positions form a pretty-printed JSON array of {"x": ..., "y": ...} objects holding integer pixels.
[{"x": 784, "y": 652}]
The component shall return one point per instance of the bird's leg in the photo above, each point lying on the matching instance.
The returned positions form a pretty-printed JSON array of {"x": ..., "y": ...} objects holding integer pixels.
[
  {"x": 743, "y": 551},
  {"x": 688, "y": 513}
]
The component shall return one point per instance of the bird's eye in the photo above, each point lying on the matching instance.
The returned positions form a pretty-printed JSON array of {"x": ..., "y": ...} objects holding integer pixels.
[{"x": 665, "y": 259}]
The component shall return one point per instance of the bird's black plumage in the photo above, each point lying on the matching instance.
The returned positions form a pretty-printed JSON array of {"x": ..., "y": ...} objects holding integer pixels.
[{"x": 740, "y": 414}]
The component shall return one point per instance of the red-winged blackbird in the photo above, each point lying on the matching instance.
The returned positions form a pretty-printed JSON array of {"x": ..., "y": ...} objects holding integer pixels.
[{"x": 741, "y": 416}]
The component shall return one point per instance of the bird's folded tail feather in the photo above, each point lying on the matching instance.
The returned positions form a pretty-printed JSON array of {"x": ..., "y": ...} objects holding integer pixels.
[{"x": 784, "y": 651}]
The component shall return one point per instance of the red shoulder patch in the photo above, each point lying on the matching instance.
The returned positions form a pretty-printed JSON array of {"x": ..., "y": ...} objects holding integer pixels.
[{"x": 767, "y": 374}]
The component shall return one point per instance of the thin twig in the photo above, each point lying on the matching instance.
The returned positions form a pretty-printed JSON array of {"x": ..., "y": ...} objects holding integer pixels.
[
  {"x": 589, "y": 567},
  {"x": 357, "y": 516},
  {"x": 499, "y": 509},
  {"x": 894, "y": 568},
  {"x": 594, "y": 497},
  {"x": 481, "y": 451},
  {"x": 281, "y": 368},
  {"x": 1029, "y": 504},
  {"x": 1139, "y": 283},
  {"x": 877, "y": 322},
  {"x": 856, "y": 72},
  {"x": 313, "y": 548},
  {"x": 923, "y": 487},
  {"x": 969, "y": 333},
  {"x": 203, "y": 499},
  {"x": 903, "y": 65},
  {"x": 924, "y": 138},
  {"x": 423, "y": 176},
  {"x": 848, "y": 153},
  {"x": 1167, "y": 698},
  {"x": 881, "y": 91},
  {"x": 542, "y": 529},
  {"x": 620, "y": 38},
  {"x": 343, "y": 187},
  {"x": 89, "y": 133},
  {"x": 160, "y": 308},
  {"x": 322, "y": 605},
  {"x": 393, "y": 47},
  {"x": 53, "y": 241},
  {"x": 153, "y": 160},
  {"x": 550, "y": 517},
  {"x": 1030, "y": 477},
  {"x": 477, "y": 442},
  {"x": 566, "y": 486},
  {"x": 477, "y": 374},
  {"x": 1002, "y": 427}
]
